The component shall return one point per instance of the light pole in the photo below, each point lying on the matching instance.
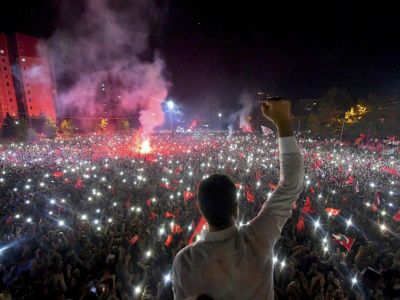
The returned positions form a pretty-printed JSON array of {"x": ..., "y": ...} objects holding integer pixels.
[
  {"x": 170, "y": 105},
  {"x": 219, "y": 120}
]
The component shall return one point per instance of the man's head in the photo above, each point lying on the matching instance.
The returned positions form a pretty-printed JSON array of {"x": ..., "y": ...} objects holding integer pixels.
[{"x": 217, "y": 200}]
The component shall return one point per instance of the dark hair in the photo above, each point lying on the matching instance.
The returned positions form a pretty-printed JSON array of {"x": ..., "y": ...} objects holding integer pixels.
[{"x": 217, "y": 199}]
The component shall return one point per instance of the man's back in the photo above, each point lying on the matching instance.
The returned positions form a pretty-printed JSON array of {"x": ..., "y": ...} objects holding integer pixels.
[{"x": 220, "y": 267}]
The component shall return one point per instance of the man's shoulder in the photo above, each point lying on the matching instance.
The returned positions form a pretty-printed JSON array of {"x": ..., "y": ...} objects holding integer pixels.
[{"x": 187, "y": 254}]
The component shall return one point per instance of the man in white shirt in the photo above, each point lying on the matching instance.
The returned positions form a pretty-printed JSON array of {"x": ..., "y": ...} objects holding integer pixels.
[{"x": 237, "y": 263}]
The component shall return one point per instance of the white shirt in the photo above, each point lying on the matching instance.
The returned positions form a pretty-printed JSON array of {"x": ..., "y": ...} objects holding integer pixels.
[{"x": 236, "y": 263}]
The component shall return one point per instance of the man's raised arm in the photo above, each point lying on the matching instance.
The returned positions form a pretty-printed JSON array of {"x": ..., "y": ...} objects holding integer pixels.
[{"x": 278, "y": 208}]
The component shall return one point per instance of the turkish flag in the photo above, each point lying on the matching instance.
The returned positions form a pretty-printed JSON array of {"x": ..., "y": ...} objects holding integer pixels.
[
  {"x": 133, "y": 240},
  {"x": 332, "y": 211},
  {"x": 198, "y": 229},
  {"x": 343, "y": 240},
  {"x": 176, "y": 228},
  {"x": 391, "y": 171},
  {"x": 9, "y": 220},
  {"x": 58, "y": 174},
  {"x": 152, "y": 216},
  {"x": 307, "y": 208},
  {"x": 79, "y": 183},
  {"x": 148, "y": 202},
  {"x": 187, "y": 195},
  {"x": 237, "y": 184},
  {"x": 396, "y": 217},
  {"x": 376, "y": 202},
  {"x": 168, "y": 241},
  {"x": 300, "y": 224},
  {"x": 249, "y": 194},
  {"x": 169, "y": 215},
  {"x": 350, "y": 180}
]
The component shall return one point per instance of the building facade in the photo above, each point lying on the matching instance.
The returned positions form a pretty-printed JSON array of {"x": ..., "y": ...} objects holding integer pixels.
[
  {"x": 8, "y": 100},
  {"x": 26, "y": 84}
]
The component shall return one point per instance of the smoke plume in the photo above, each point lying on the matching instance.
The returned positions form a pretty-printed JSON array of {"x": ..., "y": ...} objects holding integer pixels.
[
  {"x": 247, "y": 103},
  {"x": 102, "y": 58}
]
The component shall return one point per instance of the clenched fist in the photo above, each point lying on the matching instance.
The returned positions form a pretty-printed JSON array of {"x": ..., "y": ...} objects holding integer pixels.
[{"x": 277, "y": 110}]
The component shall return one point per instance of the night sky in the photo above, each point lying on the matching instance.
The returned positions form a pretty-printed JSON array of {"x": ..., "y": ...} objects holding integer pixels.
[{"x": 216, "y": 49}]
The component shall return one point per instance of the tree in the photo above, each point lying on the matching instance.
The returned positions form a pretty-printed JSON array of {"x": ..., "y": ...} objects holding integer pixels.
[
  {"x": 103, "y": 124},
  {"x": 50, "y": 128},
  {"x": 23, "y": 132},
  {"x": 125, "y": 125},
  {"x": 9, "y": 127},
  {"x": 67, "y": 127}
]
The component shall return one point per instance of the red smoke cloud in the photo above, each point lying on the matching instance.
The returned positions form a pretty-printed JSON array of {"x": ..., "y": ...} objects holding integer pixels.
[{"x": 100, "y": 49}]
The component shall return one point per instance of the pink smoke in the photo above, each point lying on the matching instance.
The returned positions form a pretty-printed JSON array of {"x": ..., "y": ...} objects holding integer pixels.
[
  {"x": 102, "y": 48},
  {"x": 247, "y": 103}
]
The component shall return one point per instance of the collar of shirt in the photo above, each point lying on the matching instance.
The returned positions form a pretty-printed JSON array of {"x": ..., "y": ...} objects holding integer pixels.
[{"x": 219, "y": 235}]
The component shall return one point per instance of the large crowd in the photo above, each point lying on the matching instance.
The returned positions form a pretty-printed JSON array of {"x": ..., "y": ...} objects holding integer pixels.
[{"x": 93, "y": 218}]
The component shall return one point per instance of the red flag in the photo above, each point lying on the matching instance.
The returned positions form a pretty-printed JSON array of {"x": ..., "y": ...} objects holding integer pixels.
[
  {"x": 350, "y": 180},
  {"x": 317, "y": 164},
  {"x": 307, "y": 208},
  {"x": 391, "y": 171},
  {"x": 133, "y": 240},
  {"x": 378, "y": 198},
  {"x": 198, "y": 229},
  {"x": 237, "y": 184},
  {"x": 168, "y": 241},
  {"x": 312, "y": 191},
  {"x": 332, "y": 211},
  {"x": 258, "y": 175},
  {"x": 187, "y": 195},
  {"x": 79, "y": 183},
  {"x": 176, "y": 228},
  {"x": 9, "y": 220},
  {"x": 148, "y": 202},
  {"x": 168, "y": 186},
  {"x": 343, "y": 240},
  {"x": 169, "y": 215},
  {"x": 152, "y": 216},
  {"x": 396, "y": 217},
  {"x": 128, "y": 203},
  {"x": 249, "y": 194},
  {"x": 376, "y": 203},
  {"x": 271, "y": 186},
  {"x": 178, "y": 169},
  {"x": 300, "y": 224},
  {"x": 58, "y": 174}
]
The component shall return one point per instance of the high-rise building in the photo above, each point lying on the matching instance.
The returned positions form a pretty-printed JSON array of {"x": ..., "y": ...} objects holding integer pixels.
[
  {"x": 36, "y": 77},
  {"x": 8, "y": 101},
  {"x": 26, "y": 84}
]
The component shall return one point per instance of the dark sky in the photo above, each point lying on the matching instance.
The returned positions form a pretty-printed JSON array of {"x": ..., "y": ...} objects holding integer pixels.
[{"x": 218, "y": 48}]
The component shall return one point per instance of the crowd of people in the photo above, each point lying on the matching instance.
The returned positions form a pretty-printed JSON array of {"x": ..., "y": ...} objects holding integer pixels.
[{"x": 93, "y": 217}]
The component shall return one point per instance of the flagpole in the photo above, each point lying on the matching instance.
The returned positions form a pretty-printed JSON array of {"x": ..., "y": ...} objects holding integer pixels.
[{"x": 341, "y": 133}]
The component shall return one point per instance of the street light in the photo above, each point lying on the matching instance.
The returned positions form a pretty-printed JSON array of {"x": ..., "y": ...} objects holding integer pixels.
[
  {"x": 170, "y": 105},
  {"x": 219, "y": 120}
]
